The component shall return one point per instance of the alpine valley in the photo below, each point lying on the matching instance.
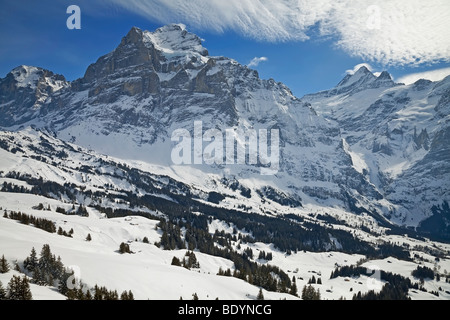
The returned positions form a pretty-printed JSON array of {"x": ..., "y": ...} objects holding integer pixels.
[{"x": 358, "y": 208}]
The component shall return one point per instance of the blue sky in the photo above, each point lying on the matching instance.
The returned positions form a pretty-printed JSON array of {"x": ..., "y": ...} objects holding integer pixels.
[{"x": 303, "y": 45}]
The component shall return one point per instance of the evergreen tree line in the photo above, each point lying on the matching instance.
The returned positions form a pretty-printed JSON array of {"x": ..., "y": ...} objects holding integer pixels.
[
  {"x": 45, "y": 270},
  {"x": 388, "y": 292},
  {"x": 98, "y": 293},
  {"x": 283, "y": 232},
  {"x": 40, "y": 223},
  {"x": 189, "y": 261},
  {"x": 423, "y": 273},
  {"x": 309, "y": 293},
  {"x": 265, "y": 256},
  {"x": 47, "y": 189},
  {"x": 18, "y": 289},
  {"x": 396, "y": 288},
  {"x": 81, "y": 211},
  {"x": 263, "y": 276},
  {"x": 64, "y": 233},
  {"x": 313, "y": 280},
  {"x": 198, "y": 237}
]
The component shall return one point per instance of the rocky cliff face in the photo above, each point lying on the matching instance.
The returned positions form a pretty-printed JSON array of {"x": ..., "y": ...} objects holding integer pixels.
[
  {"x": 24, "y": 90},
  {"x": 358, "y": 146}
]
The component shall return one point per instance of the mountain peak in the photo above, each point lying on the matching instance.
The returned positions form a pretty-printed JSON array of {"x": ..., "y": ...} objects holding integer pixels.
[
  {"x": 163, "y": 50},
  {"x": 385, "y": 76},
  {"x": 361, "y": 76},
  {"x": 174, "y": 39},
  {"x": 28, "y": 76},
  {"x": 133, "y": 36},
  {"x": 362, "y": 70}
]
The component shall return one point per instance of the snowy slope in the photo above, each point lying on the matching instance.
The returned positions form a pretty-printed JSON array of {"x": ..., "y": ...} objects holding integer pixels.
[
  {"x": 148, "y": 273},
  {"x": 35, "y": 154}
]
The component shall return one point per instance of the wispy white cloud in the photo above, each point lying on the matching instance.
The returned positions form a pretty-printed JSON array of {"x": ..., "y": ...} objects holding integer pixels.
[
  {"x": 434, "y": 75},
  {"x": 256, "y": 61},
  {"x": 390, "y": 32}
]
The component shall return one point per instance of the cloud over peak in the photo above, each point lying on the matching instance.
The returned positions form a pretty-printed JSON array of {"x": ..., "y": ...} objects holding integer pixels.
[
  {"x": 433, "y": 75},
  {"x": 389, "y": 32},
  {"x": 256, "y": 61}
]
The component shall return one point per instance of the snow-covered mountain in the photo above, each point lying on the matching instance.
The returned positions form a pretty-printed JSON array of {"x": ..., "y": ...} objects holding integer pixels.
[
  {"x": 397, "y": 136},
  {"x": 354, "y": 145},
  {"x": 131, "y": 100},
  {"x": 356, "y": 161},
  {"x": 24, "y": 90},
  {"x": 367, "y": 143}
]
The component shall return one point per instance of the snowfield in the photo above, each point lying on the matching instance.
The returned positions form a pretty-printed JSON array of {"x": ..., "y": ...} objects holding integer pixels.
[{"x": 148, "y": 272}]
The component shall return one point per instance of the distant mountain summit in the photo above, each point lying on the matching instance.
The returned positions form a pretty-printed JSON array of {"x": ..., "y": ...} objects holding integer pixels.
[
  {"x": 362, "y": 79},
  {"x": 24, "y": 90}
]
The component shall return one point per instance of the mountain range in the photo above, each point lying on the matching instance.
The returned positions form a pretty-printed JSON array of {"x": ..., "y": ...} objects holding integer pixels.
[
  {"x": 367, "y": 145},
  {"x": 361, "y": 179}
]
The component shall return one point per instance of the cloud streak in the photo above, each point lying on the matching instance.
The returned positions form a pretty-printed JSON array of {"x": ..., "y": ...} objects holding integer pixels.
[
  {"x": 256, "y": 61},
  {"x": 434, "y": 75},
  {"x": 390, "y": 32}
]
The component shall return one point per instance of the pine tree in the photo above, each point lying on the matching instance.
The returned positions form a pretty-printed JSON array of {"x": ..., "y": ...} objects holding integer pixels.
[
  {"x": 19, "y": 289},
  {"x": 4, "y": 265},
  {"x": 260, "y": 295},
  {"x": 45, "y": 258},
  {"x": 80, "y": 294},
  {"x": 127, "y": 295},
  {"x": 130, "y": 295},
  {"x": 14, "y": 288},
  {"x": 176, "y": 262},
  {"x": 89, "y": 238},
  {"x": 50, "y": 268},
  {"x": 58, "y": 268},
  {"x": 88, "y": 295},
  {"x": 2, "y": 292},
  {"x": 193, "y": 262},
  {"x": 293, "y": 290},
  {"x": 25, "y": 289},
  {"x": 113, "y": 295},
  {"x": 194, "y": 296},
  {"x": 309, "y": 293},
  {"x": 145, "y": 240},
  {"x": 63, "y": 286},
  {"x": 30, "y": 263}
]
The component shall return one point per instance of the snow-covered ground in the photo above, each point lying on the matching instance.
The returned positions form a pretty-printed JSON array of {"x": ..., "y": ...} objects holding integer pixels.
[{"x": 148, "y": 272}]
